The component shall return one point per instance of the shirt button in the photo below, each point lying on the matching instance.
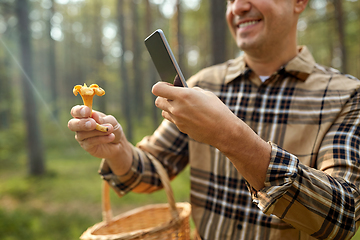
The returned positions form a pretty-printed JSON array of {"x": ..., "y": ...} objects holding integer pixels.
[{"x": 239, "y": 226}]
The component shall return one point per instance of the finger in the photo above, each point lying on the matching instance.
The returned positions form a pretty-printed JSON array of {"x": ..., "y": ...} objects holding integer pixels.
[
  {"x": 163, "y": 104},
  {"x": 111, "y": 121},
  {"x": 80, "y": 111},
  {"x": 83, "y": 135},
  {"x": 117, "y": 129},
  {"x": 102, "y": 118},
  {"x": 165, "y": 90},
  {"x": 84, "y": 124},
  {"x": 106, "y": 120},
  {"x": 168, "y": 116},
  {"x": 118, "y": 132},
  {"x": 100, "y": 114},
  {"x": 89, "y": 143}
]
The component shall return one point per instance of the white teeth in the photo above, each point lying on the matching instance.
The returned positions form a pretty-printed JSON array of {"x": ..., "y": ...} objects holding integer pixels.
[{"x": 245, "y": 24}]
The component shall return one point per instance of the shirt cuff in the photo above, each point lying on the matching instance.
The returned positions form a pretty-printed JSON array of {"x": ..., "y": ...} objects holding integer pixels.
[
  {"x": 280, "y": 176},
  {"x": 124, "y": 183}
]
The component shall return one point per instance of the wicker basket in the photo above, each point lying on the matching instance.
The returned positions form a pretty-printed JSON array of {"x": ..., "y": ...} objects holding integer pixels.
[{"x": 156, "y": 221}]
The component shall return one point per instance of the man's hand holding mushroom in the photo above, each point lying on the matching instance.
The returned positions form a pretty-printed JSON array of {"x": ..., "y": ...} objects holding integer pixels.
[{"x": 110, "y": 145}]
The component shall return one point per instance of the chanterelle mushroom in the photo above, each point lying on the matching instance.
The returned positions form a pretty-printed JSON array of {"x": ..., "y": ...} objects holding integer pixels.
[{"x": 87, "y": 94}]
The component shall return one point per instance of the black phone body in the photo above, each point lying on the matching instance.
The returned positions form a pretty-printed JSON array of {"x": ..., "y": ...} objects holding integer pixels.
[{"x": 164, "y": 59}]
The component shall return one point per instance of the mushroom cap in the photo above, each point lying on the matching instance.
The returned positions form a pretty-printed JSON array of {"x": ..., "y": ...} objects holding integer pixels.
[
  {"x": 88, "y": 91},
  {"x": 98, "y": 90}
]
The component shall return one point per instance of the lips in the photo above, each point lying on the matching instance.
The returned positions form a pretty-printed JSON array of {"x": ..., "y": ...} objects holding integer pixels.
[{"x": 248, "y": 23}]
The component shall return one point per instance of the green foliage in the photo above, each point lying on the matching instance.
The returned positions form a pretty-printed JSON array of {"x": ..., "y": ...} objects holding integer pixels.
[
  {"x": 38, "y": 225},
  {"x": 66, "y": 200},
  {"x": 12, "y": 142}
]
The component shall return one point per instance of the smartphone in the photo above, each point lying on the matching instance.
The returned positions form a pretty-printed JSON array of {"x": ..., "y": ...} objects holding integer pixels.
[{"x": 163, "y": 59}]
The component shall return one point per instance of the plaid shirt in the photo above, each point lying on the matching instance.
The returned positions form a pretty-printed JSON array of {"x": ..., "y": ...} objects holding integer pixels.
[{"x": 309, "y": 114}]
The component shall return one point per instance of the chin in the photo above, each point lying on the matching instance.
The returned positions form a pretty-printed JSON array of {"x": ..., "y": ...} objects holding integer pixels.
[
  {"x": 248, "y": 45},
  {"x": 243, "y": 46}
]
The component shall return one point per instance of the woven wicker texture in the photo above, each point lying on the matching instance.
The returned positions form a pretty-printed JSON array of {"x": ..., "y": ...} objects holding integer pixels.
[{"x": 156, "y": 221}]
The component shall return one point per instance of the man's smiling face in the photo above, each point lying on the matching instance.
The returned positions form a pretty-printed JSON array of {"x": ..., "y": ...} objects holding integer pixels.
[{"x": 260, "y": 24}]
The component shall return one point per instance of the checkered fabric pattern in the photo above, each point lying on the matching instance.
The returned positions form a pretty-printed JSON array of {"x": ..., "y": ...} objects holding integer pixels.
[{"x": 309, "y": 114}]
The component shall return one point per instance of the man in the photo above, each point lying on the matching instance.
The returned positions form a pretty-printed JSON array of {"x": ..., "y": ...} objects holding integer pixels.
[{"x": 272, "y": 138}]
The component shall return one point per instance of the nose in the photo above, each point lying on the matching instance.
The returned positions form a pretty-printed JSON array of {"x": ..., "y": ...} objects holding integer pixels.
[{"x": 239, "y": 7}]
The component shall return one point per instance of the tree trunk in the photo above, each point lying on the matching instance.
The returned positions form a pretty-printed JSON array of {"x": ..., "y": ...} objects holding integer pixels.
[
  {"x": 177, "y": 40},
  {"x": 180, "y": 39},
  {"x": 139, "y": 83},
  {"x": 126, "y": 96},
  {"x": 218, "y": 31},
  {"x": 151, "y": 68},
  {"x": 5, "y": 93},
  {"x": 36, "y": 162},
  {"x": 341, "y": 33},
  {"x": 98, "y": 63},
  {"x": 52, "y": 68}
]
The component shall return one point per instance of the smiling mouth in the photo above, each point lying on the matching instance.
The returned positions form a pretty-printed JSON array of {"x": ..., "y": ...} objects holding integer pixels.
[{"x": 246, "y": 24}]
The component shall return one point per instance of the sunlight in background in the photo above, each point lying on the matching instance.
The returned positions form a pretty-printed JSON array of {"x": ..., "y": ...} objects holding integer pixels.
[
  {"x": 57, "y": 34},
  {"x": 167, "y": 7},
  {"x": 46, "y": 4},
  {"x": 116, "y": 49},
  {"x": 77, "y": 27},
  {"x": 57, "y": 19},
  {"x": 68, "y": 1},
  {"x": 38, "y": 26},
  {"x": 193, "y": 56},
  {"x": 157, "y": 1},
  {"x": 192, "y": 4},
  {"x": 105, "y": 12},
  {"x": 3, "y": 25},
  {"x": 110, "y": 30},
  {"x": 37, "y": 29},
  {"x": 319, "y": 6},
  {"x": 302, "y": 25}
]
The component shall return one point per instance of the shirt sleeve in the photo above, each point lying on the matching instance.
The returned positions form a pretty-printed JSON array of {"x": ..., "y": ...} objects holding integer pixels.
[
  {"x": 167, "y": 144},
  {"x": 321, "y": 200}
]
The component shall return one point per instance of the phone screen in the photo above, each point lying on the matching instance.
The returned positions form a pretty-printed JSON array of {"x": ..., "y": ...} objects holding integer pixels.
[{"x": 164, "y": 59}]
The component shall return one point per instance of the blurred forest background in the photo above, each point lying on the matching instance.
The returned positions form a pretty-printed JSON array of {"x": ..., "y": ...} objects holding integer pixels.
[{"x": 49, "y": 187}]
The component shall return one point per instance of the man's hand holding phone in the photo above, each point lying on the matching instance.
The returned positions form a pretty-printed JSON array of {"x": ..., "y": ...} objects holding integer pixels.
[{"x": 196, "y": 112}]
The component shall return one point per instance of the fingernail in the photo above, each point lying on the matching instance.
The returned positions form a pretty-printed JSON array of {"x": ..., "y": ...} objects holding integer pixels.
[
  {"x": 82, "y": 112},
  {"x": 88, "y": 124}
]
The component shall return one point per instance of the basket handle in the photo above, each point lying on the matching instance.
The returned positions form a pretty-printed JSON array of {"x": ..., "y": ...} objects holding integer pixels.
[{"x": 106, "y": 206}]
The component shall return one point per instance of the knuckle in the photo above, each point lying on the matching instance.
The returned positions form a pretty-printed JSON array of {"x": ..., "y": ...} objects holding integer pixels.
[
  {"x": 69, "y": 124},
  {"x": 112, "y": 119},
  {"x": 77, "y": 138},
  {"x": 157, "y": 102},
  {"x": 176, "y": 112},
  {"x": 75, "y": 111},
  {"x": 187, "y": 97}
]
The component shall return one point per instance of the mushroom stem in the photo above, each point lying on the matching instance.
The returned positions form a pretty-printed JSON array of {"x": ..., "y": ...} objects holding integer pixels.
[{"x": 101, "y": 128}]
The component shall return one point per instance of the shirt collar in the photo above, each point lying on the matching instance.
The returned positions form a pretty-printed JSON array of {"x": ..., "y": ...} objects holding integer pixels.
[{"x": 299, "y": 67}]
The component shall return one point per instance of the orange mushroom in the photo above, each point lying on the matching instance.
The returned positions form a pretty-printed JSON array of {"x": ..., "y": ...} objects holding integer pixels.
[{"x": 87, "y": 94}]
